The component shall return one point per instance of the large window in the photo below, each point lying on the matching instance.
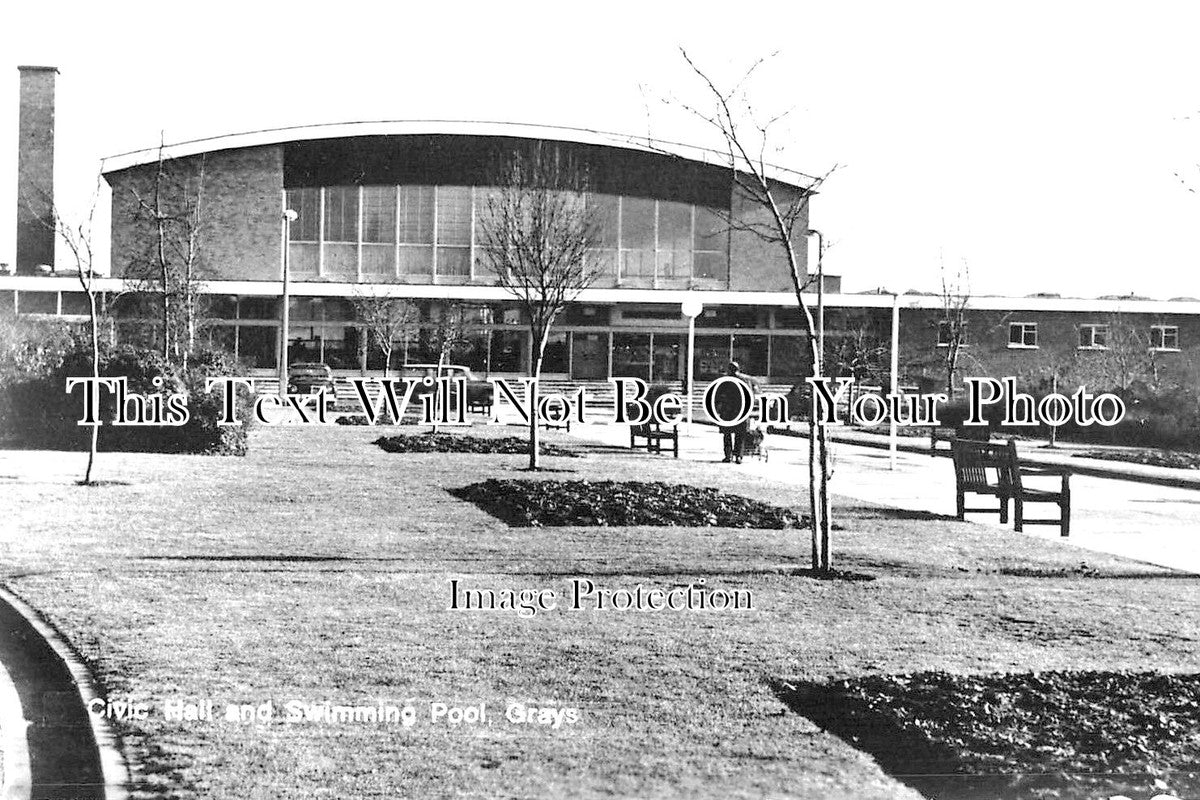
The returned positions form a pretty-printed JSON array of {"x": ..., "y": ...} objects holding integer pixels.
[
  {"x": 674, "y": 240},
  {"x": 415, "y": 213},
  {"x": 711, "y": 245},
  {"x": 637, "y": 237},
  {"x": 307, "y": 205},
  {"x": 454, "y": 230},
  {"x": 660, "y": 240},
  {"x": 379, "y": 214},
  {"x": 340, "y": 251},
  {"x": 750, "y": 352},
  {"x": 305, "y": 231},
  {"x": 631, "y": 355},
  {"x": 341, "y": 214},
  {"x": 605, "y": 211},
  {"x": 373, "y": 232},
  {"x": 378, "y": 231}
]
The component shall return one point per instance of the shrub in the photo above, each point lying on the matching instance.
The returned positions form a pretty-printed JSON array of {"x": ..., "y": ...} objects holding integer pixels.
[
  {"x": 42, "y": 414},
  {"x": 1166, "y": 418},
  {"x": 29, "y": 349},
  {"x": 1161, "y": 417}
]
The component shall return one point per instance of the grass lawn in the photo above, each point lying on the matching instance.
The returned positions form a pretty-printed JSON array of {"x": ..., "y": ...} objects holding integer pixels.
[{"x": 317, "y": 568}]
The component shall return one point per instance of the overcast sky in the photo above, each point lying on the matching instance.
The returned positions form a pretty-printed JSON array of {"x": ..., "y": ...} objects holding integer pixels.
[{"x": 1050, "y": 146}]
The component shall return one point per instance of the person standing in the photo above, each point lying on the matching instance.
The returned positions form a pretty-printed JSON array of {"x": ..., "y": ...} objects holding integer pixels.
[{"x": 728, "y": 402}]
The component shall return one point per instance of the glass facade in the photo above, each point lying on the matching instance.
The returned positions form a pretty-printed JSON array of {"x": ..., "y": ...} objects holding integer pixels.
[
  {"x": 589, "y": 342},
  {"x": 427, "y": 234}
]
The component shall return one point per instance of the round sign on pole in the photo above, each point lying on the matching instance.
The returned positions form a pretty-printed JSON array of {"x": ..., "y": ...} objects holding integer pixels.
[{"x": 691, "y": 307}]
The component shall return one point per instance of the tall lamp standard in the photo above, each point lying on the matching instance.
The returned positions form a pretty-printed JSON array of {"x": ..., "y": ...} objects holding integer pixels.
[
  {"x": 289, "y": 216},
  {"x": 895, "y": 370},
  {"x": 691, "y": 308}
]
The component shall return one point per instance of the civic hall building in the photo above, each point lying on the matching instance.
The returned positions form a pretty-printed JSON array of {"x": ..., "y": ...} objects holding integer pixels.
[{"x": 395, "y": 209}]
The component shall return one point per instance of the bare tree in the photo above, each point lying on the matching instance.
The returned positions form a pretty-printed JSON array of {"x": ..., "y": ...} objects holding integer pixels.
[
  {"x": 952, "y": 328},
  {"x": 535, "y": 232},
  {"x": 858, "y": 350},
  {"x": 450, "y": 331},
  {"x": 1117, "y": 355},
  {"x": 746, "y": 139},
  {"x": 173, "y": 206},
  {"x": 385, "y": 320},
  {"x": 77, "y": 236}
]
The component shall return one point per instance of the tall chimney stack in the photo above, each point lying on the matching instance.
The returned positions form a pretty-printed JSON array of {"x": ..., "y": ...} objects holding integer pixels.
[{"x": 35, "y": 170}]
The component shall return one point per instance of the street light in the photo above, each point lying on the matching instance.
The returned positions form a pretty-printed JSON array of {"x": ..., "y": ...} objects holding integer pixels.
[
  {"x": 289, "y": 216},
  {"x": 895, "y": 369},
  {"x": 691, "y": 308}
]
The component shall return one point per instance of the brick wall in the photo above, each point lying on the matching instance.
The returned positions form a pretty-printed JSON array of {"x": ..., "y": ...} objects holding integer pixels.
[
  {"x": 757, "y": 264},
  {"x": 988, "y": 352},
  {"x": 241, "y": 204}
]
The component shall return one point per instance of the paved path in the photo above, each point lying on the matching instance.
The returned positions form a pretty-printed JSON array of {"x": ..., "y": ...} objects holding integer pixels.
[
  {"x": 14, "y": 748},
  {"x": 1144, "y": 521}
]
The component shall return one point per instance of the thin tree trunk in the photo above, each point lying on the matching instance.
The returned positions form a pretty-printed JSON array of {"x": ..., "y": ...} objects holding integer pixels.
[
  {"x": 813, "y": 506},
  {"x": 818, "y": 459},
  {"x": 535, "y": 445},
  {"x": 92, "y": 322},
  {"x": 437, "y": 394},
  {"x": 823, "y": 455},
  {"x": 166, "y": 291},
  {"x": 537, "y": 355}
]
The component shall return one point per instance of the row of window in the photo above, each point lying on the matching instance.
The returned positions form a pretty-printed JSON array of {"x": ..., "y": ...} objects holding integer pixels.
[
  {"x": 369, "y": 231},
  {"x": 1091, "y": 337}
]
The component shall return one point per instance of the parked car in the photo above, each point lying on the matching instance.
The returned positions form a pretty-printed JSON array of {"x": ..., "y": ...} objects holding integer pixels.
[
  {"x": 311, "y": 377},
  {"x": 479, "y": 392}
]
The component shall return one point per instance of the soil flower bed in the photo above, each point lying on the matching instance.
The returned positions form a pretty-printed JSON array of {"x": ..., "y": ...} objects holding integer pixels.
[
  {"x": 621, "y": 503},
  {"x": 1018, "y": 736},
  {"x": 1153, "y": 458},
  {"x": 455, "y": 443}
]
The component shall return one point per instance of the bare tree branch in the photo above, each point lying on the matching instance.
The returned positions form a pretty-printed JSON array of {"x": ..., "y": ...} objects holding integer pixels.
[{"x": 535, "y": 232}]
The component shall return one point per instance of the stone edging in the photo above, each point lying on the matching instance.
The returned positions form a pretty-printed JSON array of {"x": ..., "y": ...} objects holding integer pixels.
[{"x": 113, "y": 765}]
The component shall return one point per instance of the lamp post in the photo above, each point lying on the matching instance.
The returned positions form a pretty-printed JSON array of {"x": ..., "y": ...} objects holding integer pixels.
[
  {"x": 892, "y": 444},
  {"x": 289, "y": 216},
  {"x": 691, "y": 308}
]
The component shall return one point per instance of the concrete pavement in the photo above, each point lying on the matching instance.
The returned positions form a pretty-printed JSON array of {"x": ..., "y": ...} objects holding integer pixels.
[{"x": 1150, "y": 522}]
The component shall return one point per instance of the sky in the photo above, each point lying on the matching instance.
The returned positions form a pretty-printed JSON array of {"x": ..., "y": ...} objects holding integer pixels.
[{"x": 1046, "y": 147}]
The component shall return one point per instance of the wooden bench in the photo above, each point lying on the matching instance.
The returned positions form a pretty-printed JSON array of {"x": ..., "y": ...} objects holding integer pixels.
[
  {"x": 948, "y": 433},
  {"x": 941, "y": 433},
  {"x": 654, "y": 435},
  {"x": 481, "y": 404},
  {"x": 995, "y": 469}
]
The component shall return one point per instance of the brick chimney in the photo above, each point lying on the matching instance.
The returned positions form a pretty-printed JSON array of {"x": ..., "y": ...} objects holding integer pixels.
[{"x": 35, "y": 170}]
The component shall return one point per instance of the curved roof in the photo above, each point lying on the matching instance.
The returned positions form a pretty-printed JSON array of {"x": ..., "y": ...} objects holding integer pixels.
[{"x": 337, "y": 130}]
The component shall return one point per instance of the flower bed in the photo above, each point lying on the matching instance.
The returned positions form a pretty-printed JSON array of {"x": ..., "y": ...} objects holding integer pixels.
[
  {"x": 621, "y": 503},
  {"x": 1018, "y": 736}
]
